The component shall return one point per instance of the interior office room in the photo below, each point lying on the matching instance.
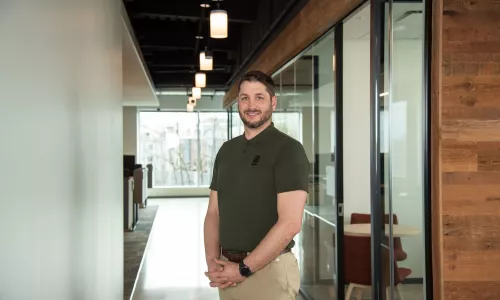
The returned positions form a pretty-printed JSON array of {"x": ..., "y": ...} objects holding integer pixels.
[{"x": 120, "y": 107}]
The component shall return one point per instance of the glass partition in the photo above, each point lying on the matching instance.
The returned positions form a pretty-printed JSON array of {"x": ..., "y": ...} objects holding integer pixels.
[
  {"x": 358, "y": 107},
  {"x": 397, "y": 132},
  {"x": 306, "y": 100},
  {"x": 295, "y": 90},
  {"x": 356, "y": 119},
  {"x": 402, "y": 122}
]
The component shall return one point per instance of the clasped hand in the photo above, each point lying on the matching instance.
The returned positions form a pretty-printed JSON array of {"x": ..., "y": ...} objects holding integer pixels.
[{"x": 223, "y": 274}]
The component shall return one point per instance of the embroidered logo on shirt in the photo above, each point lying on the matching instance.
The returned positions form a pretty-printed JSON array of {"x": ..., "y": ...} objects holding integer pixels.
[{"x": 255, "y": 160}]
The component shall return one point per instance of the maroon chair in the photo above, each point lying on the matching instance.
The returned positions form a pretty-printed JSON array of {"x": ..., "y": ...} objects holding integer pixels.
[
  {"x": 399, "y": 253},
  {"x": 357, "y": 266}
]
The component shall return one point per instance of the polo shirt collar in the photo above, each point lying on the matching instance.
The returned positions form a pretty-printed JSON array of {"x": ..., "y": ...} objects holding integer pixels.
[{"x": 261, "y": 136}]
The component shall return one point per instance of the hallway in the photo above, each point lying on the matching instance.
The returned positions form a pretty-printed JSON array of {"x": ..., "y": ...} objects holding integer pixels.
[{"x": 174, "y": 262}]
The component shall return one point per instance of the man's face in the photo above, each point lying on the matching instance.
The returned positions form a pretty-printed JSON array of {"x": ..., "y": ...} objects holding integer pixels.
[{"x": 255, "y": 105}]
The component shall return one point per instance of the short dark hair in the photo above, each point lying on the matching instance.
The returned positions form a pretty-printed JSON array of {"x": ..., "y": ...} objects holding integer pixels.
[{"x": 258, "y": 76}]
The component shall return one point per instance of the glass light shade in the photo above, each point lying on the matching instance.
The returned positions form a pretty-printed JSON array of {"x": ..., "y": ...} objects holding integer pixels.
[
  {"x": 218, "y": 24},
  {"x": 190, "y": 107},
  {"x": 196, "y": 92},
  {"x": 200, "y": 80},
  {"x": 206, "y": 64},
  {"x": 192, "y": 101}
]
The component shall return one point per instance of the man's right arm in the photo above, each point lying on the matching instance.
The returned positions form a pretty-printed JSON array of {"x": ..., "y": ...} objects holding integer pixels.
[{"x": 211, "y": 232}]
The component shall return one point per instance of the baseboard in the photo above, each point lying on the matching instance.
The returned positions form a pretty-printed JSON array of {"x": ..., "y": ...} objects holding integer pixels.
[
  {"x": 416, "y": 280},
  {"x": 179, "y": 192},
  {"x": 304, "y": 294}
]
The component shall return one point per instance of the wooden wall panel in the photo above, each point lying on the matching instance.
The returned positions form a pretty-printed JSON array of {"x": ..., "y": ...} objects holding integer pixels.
[
  {"x": 438, "y": 164},
  {"x": 311, "y": 22},
  {"x": 466, "y": 153}
]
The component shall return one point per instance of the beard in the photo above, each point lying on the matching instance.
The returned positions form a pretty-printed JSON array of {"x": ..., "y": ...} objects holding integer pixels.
[{"x": 264, "y": 117}]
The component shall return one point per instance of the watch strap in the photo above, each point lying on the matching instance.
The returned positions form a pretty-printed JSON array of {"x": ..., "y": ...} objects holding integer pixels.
[{"x": 244, "y": 269}]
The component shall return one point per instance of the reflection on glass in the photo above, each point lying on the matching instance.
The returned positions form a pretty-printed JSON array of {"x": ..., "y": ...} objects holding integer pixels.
[
  {"x": 402, "y": 148},
  {"x": 181, "y": 145},
  {"x": 306, "y": 101}
]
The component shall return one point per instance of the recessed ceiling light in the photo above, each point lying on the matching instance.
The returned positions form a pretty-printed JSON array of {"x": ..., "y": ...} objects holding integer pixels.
[
  {"x": 206, "y": 5},
  {"x": 199, "y": 37}
]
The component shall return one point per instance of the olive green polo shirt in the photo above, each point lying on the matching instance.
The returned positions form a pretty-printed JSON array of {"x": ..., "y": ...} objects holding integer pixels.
[{"x": 248, "y": 176}]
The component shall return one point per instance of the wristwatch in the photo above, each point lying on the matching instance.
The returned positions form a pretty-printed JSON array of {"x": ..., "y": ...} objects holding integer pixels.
[{"x": 244, "y": 269}]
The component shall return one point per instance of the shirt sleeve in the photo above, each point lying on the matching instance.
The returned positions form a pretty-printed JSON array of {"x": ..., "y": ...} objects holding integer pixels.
[
  {"x": 291, "y": 170},
  {"x": 215, "y": 173}
]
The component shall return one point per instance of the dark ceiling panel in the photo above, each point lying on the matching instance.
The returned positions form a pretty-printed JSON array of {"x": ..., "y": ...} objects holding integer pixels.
[
  {"x": 183, "y": 18},
  {"x": 237, "y": 9},
  {"x": 171, "y": 35}
]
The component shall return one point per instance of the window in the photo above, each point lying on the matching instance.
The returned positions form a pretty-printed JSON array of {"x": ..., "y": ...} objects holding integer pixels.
[{"x": 181, "y": 146}]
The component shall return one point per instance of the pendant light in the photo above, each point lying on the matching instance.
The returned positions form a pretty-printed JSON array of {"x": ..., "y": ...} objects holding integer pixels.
[
  {"x": 191, "y": 101},
  {"x": 206, "y": 62},
  {"x": 196, "y": 91},
  {"x": 218, "y": 24},
  {"x": 200, "y": 80}
]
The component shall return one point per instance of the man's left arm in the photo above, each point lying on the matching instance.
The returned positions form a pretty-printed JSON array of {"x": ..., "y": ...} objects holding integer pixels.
[
  {"x": 290, "y": 209},
  {"x": 291, "y": 181}
]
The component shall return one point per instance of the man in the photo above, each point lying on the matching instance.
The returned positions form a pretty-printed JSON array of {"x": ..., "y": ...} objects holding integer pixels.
[{"x": 258, "y": 193}]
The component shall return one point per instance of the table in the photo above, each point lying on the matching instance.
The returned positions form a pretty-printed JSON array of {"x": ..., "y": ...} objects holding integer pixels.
[{"x": 366, "y": 230}]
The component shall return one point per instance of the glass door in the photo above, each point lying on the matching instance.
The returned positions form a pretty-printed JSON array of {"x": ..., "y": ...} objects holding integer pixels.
[
  {"x": 380, "y": 177},
  {"x": 327, "y": 152},
  {"x": 401, "y": 147},
  {"x": 307, "y": 110}
]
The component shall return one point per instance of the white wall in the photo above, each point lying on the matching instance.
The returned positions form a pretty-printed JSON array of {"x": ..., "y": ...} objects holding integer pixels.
[
  {"x": 130, "y": 126},
  {"x": 61, "y": 144},
  {"x": 356, "y": 132}
]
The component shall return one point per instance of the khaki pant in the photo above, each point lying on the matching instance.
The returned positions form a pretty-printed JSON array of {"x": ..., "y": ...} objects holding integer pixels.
[{"x": 279, "y": 280}]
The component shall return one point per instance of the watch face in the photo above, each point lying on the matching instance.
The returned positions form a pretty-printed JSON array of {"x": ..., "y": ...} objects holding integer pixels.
[{"x": 244, "y": 270}]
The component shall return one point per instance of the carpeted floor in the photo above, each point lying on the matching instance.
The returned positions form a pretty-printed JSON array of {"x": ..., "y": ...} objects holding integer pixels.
[{"x": 134, "y": 245}]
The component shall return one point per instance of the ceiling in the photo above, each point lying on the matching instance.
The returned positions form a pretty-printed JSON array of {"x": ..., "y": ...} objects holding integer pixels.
[
  {"x": 171, "y": 35},
  {"x": 137, "y": 87}
]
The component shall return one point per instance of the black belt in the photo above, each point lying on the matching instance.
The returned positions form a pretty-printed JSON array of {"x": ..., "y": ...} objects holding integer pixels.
[{"x": 237, "y": 256}]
